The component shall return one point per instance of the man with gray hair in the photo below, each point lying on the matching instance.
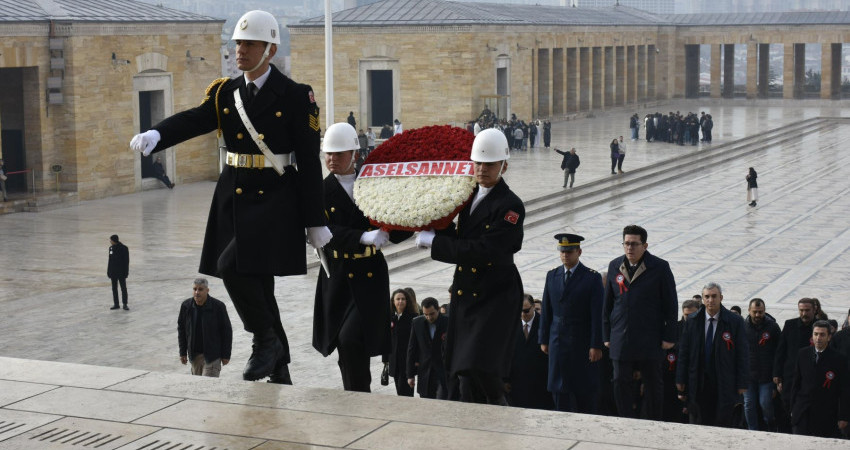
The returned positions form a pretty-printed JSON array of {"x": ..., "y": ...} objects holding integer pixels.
[
  {"x": 204, "y": 332},
  {"x": 713, "y": 366}
]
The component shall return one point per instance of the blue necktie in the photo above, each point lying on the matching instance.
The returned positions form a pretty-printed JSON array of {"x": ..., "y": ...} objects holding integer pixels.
[{"x": 709, "y": 340}]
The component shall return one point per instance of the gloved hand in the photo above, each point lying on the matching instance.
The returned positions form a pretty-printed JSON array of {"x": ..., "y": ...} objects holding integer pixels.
[
  {"x": 318, "y": 236},
  {"x": 375, "y": 237},
  {"x": 145, "y": 142},
  {"x": 425, "y": 238}
]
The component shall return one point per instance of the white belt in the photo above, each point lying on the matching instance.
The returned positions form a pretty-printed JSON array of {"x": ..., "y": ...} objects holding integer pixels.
[{"x": 255, "y": 161}]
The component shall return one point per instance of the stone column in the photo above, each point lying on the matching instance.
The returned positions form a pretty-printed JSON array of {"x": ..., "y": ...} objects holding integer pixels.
[
  {"x": 609, "y": 76},
  {"x": 631, "y": 71},
  {"x": 598, "y": 77},
  {"x": 534, "y": 84},
  {"x": 728, "y": 70},
  {"x": 830, "y": 80},
  {"x": 620, "y": 75},
  {"x": 585, "y": 80},
  {"x": 752, "y": 70},
  {"x": 788, "y": 81},
  {"x": 715, "y": 70},
  {"x": 764, "y": 70},
  {"x": 573, "y": 68},
  {"x": 651, "y": 82},
  {"x": 558, "y": 81},
  {"x": 641, "y": 73}
]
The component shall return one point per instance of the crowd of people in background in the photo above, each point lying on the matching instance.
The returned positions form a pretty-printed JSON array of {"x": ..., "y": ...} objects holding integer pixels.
[
  {"x": 673, "y": 127},
  {"x": 521, "y": 135}
]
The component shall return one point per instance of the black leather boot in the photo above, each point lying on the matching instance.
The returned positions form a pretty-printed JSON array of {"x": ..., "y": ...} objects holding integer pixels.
[
  {"x": 266, "y": 350},
  {"x": 280, "y": 374}
]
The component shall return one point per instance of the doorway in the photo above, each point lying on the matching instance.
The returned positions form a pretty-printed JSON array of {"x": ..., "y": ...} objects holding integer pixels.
[{"x": 380, "y": 97}]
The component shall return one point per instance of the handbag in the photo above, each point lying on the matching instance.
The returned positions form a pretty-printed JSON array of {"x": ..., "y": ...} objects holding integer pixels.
[{"x": 385, "y": 375}]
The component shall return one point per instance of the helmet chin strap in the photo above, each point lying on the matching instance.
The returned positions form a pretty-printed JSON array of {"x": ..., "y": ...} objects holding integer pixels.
[{"x": 265, "y": 55}]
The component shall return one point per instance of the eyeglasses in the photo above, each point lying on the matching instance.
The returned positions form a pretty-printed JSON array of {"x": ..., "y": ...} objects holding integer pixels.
[
  {"x": 526, "y": 310},
  {"x": 632, "y": 244}
]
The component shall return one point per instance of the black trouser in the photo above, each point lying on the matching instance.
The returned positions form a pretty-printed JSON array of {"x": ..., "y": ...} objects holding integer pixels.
[
  {"x": 353, "y": 358},
  {"x": 614, "y": 160},
  {"x": 252, "y": 297},
  {"x": 481, "y": 387},
  {"x": 620, "y": 161},
  {"x": 401, "y": 386},
  {"x": 580, "y": 401},
  {"x": 115, "y": 282},
  {"x": 624, "y": 391},
  {"x": 164, "y": 179}
]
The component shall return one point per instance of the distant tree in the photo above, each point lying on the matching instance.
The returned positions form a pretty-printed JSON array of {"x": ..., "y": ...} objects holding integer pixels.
[{"x": 812, "y": 83}]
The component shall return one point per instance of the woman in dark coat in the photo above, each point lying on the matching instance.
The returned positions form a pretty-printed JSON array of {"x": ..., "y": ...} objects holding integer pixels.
[
  {"x": 752, "y": 187},
  {"x": 404, "y": 310},
  {"x": 615, "y": 155}
]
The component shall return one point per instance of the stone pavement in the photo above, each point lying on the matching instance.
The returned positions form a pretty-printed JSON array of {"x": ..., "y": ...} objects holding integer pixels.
[
  {"x": 55, "y": 295},
  {"x": 61, "y": 406}
]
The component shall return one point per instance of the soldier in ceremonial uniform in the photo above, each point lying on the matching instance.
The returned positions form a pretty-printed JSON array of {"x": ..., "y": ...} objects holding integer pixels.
[
  {"x": 571, "y": 328},
  {"x": 269, "y": 192},
  {"x": 486, "y": 295},
  {"x": 352, "y": 309}
]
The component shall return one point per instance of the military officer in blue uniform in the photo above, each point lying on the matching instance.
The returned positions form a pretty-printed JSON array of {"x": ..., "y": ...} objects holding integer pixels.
[
  {"x": 571, "y": 328},
  {"x": 269, "y": 192}
]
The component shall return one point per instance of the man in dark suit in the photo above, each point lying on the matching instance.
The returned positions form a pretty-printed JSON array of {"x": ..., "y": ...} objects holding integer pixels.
[
  {"x": 796, "y": 334},
  {"x": 426, "y": 350},
  {"x": 820, "y": 393},
  {"x": 351, "y": 311},
  {"x": 713, "y": 369},
  {"x": 526, "y": 387},
  {"x": 262, "y": 204},
  {"x": 118, "y": 269},
  {"x": 639, "y": 322},
  {"x": 486, "y": 288},
  {"x": 571, "y": 331}
]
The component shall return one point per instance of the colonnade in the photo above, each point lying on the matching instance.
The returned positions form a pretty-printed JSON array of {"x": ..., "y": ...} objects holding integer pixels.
[{"x": 573, "y": 79}]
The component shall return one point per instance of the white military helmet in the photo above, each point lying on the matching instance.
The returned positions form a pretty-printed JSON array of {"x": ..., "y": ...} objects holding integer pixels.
[
  {"x": 340, "y": 137},
  {"x": 490, "y": 145},
  {"x": 257, "y": 26}
]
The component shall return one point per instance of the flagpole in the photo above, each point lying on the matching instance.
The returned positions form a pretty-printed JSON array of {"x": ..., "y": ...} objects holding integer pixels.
[{"x": 329, "y": 66}]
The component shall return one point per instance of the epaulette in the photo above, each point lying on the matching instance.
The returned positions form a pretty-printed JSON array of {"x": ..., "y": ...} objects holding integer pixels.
[
  {"x": 220, "y": 83},
  {"x": 591, "y": 270}
]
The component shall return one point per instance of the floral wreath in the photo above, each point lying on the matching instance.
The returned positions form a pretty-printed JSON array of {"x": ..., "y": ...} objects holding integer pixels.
[{"x": 418, "y": 179}]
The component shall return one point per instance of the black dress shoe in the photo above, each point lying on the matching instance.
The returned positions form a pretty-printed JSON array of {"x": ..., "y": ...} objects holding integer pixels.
[
  {"x": 266, "y": 351},
  {"x": 126, "y": 308},
  {"x": 115, "y": 307},
  {"x": 280, "y": 374}
]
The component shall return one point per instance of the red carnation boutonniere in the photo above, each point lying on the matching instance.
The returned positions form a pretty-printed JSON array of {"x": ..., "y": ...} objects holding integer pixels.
[
  {"x": 671, "y": 359},
  {"x": 621, "y": 282},
  {"x": 417, "y": 180},
  {"x": 764, "y": 338},
  {"x": 830, "y": 375},
  {"x": 727, "y": 338}
]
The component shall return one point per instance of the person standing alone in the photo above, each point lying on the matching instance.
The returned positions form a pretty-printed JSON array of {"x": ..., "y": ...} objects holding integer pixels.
[
  {"x": 118, "y": 269},
  {"x": 752, "y": 187}
]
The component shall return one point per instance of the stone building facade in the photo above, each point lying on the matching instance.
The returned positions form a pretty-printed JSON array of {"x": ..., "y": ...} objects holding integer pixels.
[
  {"x": 83, "y": 81},
  {"x": 442, "y": 62}
]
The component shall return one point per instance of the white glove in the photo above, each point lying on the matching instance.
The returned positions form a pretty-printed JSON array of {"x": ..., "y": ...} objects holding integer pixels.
[
  {"x": 145, "y": 142},
  {"x": 318, "y": 236},
  {"x": 375, "y": 237},
  {"x": 425, "y": 238}
]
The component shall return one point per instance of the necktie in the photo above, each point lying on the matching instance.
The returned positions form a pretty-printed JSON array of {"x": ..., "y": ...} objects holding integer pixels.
[
  {"x": 817, "y": 356},
  {"x": 252, "y": 90},
  {"x": 431, "y": 329},
  {"x": 709, "y": 339},
  {"x": 525, "y": 331},
  {"x": 567, "y": 278}
]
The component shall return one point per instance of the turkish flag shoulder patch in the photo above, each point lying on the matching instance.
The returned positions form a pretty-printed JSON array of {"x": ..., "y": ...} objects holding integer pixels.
[{"x": 512, "y": 217}]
